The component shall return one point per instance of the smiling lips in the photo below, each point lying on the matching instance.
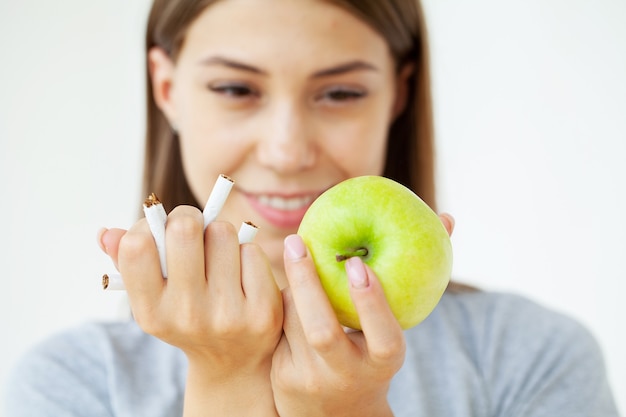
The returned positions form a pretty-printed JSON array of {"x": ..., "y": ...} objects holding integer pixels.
[
  {"x": 282, "y": 212},
  {"x": 285, "y": 204}
]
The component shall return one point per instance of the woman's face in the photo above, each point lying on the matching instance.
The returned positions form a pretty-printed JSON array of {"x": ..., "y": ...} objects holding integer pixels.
[{"x": 286, "y": 97}]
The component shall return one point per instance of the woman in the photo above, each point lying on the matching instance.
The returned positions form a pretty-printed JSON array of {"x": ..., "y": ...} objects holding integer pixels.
[{"x": 290, "y": 98}]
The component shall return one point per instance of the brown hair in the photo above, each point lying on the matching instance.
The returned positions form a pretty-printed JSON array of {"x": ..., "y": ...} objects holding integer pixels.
[
  {"x": 163, "y": 170},
  {"x": 410, "y": 153},
  {"x": 410, "y": 149}
]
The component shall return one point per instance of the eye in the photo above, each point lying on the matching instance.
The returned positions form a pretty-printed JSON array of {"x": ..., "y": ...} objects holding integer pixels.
[
  {"x": 338, "y": 95},
  {"x": 233, "y": 90}
]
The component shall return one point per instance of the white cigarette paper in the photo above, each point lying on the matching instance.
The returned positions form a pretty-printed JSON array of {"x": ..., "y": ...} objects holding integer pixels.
[
  {"x": 247, "y": 232},
  {"x": 217, "y": 198},
  {"x": 156, "y": 218},
  {"x": 112, "y": 282}
]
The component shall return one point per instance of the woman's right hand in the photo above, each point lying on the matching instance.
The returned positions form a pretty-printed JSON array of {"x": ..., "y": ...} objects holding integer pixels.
[{"x": 220, "y": 305}]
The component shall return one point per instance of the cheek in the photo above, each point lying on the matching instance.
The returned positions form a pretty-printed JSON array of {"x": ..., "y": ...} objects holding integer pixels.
[
  {"x": 210, "y": 141},
  {"x": 358, "y": 148},
  {"x": 206, "y": 152}
]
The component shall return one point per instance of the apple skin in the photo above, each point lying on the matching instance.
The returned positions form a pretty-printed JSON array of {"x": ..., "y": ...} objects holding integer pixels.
[{"x": 407, "y": 246}]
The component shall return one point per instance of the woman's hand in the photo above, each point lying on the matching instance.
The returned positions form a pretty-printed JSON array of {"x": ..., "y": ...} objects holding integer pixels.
[
  {"x": 220, "y": 305},
  {"x": 448, "y": 222},
  {"x": 318, "y": 368}
]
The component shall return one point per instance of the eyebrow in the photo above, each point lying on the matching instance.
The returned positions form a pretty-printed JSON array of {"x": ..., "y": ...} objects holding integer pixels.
[
  {"x": 344, "y": 68},
  {"x": 231, "y": 63}
]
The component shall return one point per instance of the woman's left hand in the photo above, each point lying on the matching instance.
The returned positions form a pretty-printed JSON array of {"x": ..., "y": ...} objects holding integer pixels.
[{"x": 318, "y": 368}]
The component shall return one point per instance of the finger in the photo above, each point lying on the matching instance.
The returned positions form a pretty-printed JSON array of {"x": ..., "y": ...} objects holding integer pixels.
[
  {"x": 448, "y": 222},
  {"x": 292, "y": 329},
  {"x": 184, "y": 243},
  {"x": 283, "y": 370},
  {"x": 318, "y": 320},
  {"x": 101, "y": 232},
  {"x": 109, "y": 242},
  {"x": 138, "y": 262},
  {"x": 259, "y": 287},
  {"x": 383, "y": 334},
  {"x": 223, "y": 264}
]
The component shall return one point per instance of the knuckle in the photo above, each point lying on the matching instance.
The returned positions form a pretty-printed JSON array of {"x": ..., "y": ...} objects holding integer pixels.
[
  {"x": 184, "y": 226},
  {"x": 187, "y": 319},
  {"x": 226, "y": 324},
  {"x": 390, "y": 352},
  {"x": 219, "y": 231},
  {"x": 153, "y": 328},
  {"x": 267, "y": 321},
  {"x": 316, "y": 383},
  {"x": 192, "y": 319},
  {"x": 133, "y": 245},
  {"x": 323, "y": 338},
  {"x": 312, "y": 384},
  {"x": 301, "y": 274},
  {"x": 312, "y": 388},
  {"x": 149, "y": 322},
  {"x": 253, "y": 256},
  {"x": 289, "y": 381}
]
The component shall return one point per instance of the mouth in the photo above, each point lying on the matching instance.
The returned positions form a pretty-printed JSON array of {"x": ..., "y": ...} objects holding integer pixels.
[
  {"x": 286, "y": 203},
  {"x": 282, "y": 211}
]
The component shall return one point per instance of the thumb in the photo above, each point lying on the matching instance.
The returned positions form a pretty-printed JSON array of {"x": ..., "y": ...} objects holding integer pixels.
[
  {"x": 383, "y": 334},
  {"x": 109, "y": 242}
]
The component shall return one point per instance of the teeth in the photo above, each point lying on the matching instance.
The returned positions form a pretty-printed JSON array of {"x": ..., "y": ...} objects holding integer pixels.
[{"x": 280, "y": 203}]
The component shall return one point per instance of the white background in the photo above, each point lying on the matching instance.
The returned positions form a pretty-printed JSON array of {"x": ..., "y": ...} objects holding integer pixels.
[{"x": 531, "y": 120}]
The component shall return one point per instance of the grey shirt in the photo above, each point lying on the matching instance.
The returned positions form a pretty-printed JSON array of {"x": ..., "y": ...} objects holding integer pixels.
[{"x": 477, "y": 354}]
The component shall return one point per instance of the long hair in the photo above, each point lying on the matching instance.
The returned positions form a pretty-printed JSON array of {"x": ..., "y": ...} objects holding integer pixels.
[
  {"x": 410, "y": 157},
  {"x": 410, "y": 151},
  {"x": 163, "y": 169}
]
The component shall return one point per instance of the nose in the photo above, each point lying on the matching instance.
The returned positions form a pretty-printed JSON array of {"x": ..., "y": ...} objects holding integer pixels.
[{"x": 285, "y": 145}]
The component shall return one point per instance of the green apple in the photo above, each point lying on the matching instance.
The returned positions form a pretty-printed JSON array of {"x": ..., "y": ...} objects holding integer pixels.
[{"x": 401, "y": 239}]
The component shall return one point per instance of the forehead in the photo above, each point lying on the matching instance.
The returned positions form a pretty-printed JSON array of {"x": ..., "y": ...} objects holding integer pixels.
[{"x": 298, "y": 28}]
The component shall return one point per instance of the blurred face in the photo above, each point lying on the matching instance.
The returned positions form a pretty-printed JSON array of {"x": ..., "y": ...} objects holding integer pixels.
[{"x": 286, "y": 97}]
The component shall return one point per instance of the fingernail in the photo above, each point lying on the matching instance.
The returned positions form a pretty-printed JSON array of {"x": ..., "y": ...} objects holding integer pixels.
[
  {"x": 294, "y": 248},
  {"x": 101, "y": 233},
  {"x": 356, "y": 272}
]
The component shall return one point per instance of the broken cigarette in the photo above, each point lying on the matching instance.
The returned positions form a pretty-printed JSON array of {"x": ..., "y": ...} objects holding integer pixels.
[
  {"x": 217, "y": 198},
  {"x": 114, "y": 282},
  {"x": 247, "y": 232},
  {"x": 156, "y": 217}
]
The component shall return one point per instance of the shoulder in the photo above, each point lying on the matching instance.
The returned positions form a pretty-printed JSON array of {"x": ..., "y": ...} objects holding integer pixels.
[
  {"x": 503, "y": 311},
  {"x": 491, "y": 316},
  {"x": 87, "y": 368},
  {"x": 501, "y": 326},
  {"x": 90, "y": 347},
  {"x": 523, "y": 355}
]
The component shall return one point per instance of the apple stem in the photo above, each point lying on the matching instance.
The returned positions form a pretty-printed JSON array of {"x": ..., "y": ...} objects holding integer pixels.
[{"x": 344, "y": 256}]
